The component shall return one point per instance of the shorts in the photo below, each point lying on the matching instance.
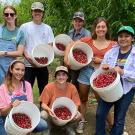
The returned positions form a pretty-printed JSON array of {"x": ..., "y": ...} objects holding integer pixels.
[{"x": 85, "y": 74}]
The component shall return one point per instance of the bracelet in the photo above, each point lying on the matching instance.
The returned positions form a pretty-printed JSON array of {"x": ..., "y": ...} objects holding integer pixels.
[{"x": 5, "y": 53}]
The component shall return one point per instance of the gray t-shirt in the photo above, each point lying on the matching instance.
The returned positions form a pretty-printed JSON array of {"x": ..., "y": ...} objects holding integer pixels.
[{"x": 76, "y": 36}]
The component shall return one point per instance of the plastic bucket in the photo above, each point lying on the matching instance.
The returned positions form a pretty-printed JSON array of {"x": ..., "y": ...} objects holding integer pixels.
[
  {"x": 43, "y": 51},
  {"x": 75, "y": 65},
  {"x": 61, "y": 39},
  {"x": 67, "y": 102},
  {"x": 110, "y": 93},
  {"x": 27, "y": 108}
]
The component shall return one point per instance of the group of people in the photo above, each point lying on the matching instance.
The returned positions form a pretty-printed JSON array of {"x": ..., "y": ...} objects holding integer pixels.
[{"x": 17, "y": 78}]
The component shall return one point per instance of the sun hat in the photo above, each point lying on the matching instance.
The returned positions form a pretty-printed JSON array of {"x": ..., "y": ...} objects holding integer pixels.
[
  {"x": 37, "y": 5},
  {"x": 61, "y": 68},
  {"x": 79, "y": 14},
  {"x": 126, "y": 28}
]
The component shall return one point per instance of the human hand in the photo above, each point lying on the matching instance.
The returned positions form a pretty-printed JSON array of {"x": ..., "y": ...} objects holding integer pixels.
[
  {"x": 96, "y": 60},
  {"x": 105, "y": 67},
  {"x": 16, "y": 103},
  {"x": 119, "y": 70},
  {"x": 77, "y": 116},
  {"x": 2, "y": 53}
]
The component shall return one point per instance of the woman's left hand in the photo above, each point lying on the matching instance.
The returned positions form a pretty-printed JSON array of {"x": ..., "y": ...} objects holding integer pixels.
[
  {"x": 16, "y": 103},
  {"x": 2, "y": 53}
]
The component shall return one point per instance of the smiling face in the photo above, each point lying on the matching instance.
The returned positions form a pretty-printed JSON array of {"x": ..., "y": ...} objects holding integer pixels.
[
  {"x": 78, "y": 24},
  {"x": 125, "y": 39},
  {"x": 37, "y": 15},
  {"x": 9, "y": 15},
  {"x": 18, "y": 71},
  {"x": 61, "y": 77},
  {"x": 101, "y": 29}
]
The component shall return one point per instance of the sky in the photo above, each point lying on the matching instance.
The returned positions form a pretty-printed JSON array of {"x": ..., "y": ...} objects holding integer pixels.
[{"x": 9, "y": 1}]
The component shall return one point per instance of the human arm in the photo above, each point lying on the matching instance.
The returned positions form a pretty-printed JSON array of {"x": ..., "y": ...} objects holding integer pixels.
[
  {"x": 29, "y": 91},
  {"x": 16, "y": 53}
]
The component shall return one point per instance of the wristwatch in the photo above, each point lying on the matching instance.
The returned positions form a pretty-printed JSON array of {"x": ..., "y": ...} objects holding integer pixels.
[{"x": 5, "y": 53}]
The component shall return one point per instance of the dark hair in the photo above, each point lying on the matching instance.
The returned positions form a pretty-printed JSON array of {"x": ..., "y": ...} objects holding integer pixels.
[
  {"x": 11, "y": 7},
  {"x": 60, "y": 71},
  {"x": 98, "y": 20},
  {"x": 8, "y": 77}
]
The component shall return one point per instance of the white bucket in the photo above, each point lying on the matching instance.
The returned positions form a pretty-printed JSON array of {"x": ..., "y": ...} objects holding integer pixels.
[
  {"x": 61, "y": 39},
  {"x": 67, "y": 102},
  {"x": 110, "y": 93},
  {"x": 75, "y": 65},
  {"x": 43, "y": 51},
  {"x": 27, "y": 108}
]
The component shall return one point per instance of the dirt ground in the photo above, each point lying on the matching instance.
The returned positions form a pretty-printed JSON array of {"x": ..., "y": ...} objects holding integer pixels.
[
  {"x": 90, "y": 125},
  {"x": 129, "y": 124}
]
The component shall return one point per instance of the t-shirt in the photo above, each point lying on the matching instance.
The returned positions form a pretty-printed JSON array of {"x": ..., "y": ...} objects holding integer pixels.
[
  {"x": 5, "y": 97},
  {"x": 35, "y": 34},
  {"x": 96, "y": 52},
  {"x": 76, "y": 36},
  {"x": 14, "y": 35},
  {"x": 122, "y": 59},
  {"x": 51, "y": 92}
]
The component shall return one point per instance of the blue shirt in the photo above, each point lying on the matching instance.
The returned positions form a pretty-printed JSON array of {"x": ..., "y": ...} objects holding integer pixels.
[
  {"x": 128, "y": 78},
  {"x": 76, "y": 36}
]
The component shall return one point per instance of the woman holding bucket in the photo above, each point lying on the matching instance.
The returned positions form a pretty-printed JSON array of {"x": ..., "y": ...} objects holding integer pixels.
[
  {"x": 9, "y": 40},
  {"x": 100, "y": 43},
  {"x": 121, "y": 58},
  {"x": 59, "y": 88},
  {"x": 12, "y": 91}
]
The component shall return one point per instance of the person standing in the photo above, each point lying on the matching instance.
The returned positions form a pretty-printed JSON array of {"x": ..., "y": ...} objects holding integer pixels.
[
  {"x": 9, "y": 40},
  {"x": 121, "y": 58},
  {"x": 77, "y": 33},
  {"x": 36, "y": 32},
  {"x": 100, "y": 43}
]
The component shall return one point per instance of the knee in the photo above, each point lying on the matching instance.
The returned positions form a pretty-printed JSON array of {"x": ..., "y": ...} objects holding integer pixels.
[{"x": 42, "y": 126}]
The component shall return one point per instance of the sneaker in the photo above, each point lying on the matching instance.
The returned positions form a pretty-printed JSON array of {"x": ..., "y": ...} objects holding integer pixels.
[
  {"x": 80, "y": 127},
  {"x": 70, "y": 131},
  {"x": 125, "y": 133}
]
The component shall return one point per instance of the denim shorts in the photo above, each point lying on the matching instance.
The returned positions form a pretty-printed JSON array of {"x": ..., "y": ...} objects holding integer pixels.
[{"x": 85, "y": 74}]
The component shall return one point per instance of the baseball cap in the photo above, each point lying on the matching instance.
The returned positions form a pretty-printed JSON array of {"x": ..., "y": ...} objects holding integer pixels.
[
  {"x": 126, "y": 28},
  {"x": 79, "y": 15},
  {"x": 37, "y": 5},
  {"x": 61, "y": 68}
]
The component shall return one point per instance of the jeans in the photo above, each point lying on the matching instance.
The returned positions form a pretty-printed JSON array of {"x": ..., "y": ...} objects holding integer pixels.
[
  {"x": 42, "y": 126},
  {"x": 2, "y": 122},
  {"x": 120, "y": 109}
]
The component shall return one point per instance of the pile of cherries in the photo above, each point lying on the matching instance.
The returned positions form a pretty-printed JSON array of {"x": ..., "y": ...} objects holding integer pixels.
[
  {"x": 41, "y": 60},
  {"x": 22, "y": 120},
  {"x": 60, "y": 46},
  {"x": 62, "y": 113},
  {"x": 104, "y": 79},
  {"x": 80, "y": 56}
]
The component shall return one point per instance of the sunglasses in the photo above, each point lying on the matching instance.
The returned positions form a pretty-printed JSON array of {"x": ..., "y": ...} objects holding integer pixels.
[{"x": 9, "y": 14}]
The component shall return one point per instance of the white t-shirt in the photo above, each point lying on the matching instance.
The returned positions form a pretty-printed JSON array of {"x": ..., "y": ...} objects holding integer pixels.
[{"x": 35, "y": 34}]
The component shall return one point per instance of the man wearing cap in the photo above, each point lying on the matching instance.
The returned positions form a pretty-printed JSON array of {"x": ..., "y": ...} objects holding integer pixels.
[
  {"x": 78, "y": 30},
  {"x": 59, "y": 88},
  {"x": 121, "y": 58},
  {"x": 36, "y": 32}
]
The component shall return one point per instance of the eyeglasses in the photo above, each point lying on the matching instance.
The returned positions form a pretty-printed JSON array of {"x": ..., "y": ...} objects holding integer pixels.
[{"x": 9, "y": 14}]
